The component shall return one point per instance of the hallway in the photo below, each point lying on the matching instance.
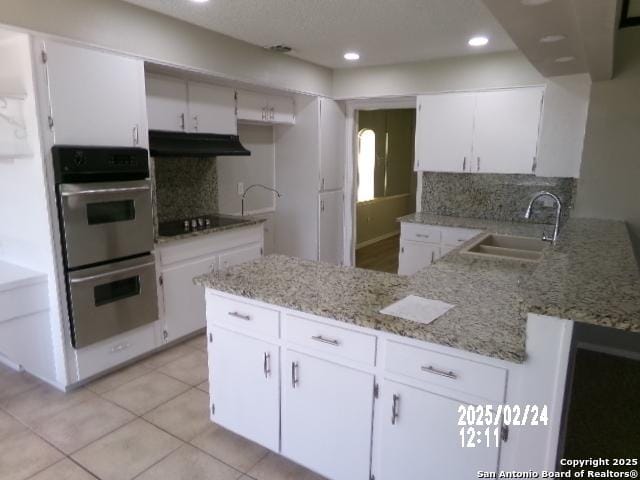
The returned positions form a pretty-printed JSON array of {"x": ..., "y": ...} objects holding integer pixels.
[{"x": 381, "y": 256}]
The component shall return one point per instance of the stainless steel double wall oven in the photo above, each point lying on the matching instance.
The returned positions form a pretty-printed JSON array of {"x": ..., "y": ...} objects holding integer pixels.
[{"x": 106, "y": 224}]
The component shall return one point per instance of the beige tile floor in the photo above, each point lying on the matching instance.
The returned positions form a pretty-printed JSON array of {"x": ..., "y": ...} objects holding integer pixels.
[{"x": 147, "y": 421}]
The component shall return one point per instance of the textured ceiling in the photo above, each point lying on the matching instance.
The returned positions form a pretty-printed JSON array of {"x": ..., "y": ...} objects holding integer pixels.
[{"x": 320, "y": 31}]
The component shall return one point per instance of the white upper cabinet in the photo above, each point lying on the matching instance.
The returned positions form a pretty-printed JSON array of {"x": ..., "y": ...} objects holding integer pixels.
[
  {"x": 262, "y": 108},
  {"x": 167, "y": 103},
  {"x": 212, "y": 109},
  {"x": 332, "y": 144},
  {"x": 483, "y": 132},
  {"x": 506, "y": 132},
  {"x": 444, "y": 132},
  {"x": 96, "y": 98},
  {"x": 176, "y": 105}
]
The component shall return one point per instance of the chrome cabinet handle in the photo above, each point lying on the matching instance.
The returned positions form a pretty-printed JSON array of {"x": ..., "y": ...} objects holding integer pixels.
[
  {"x": 478, "y": 164},
  {"x": 422, "y": 235},
  {"x": 435, "y": 371},
  {"x": 264, "y": 113},
  {"x": 433, "y": 257},
  {"x": 273, "y": 113},
  {"x": 105, "y": 190},
  {"x": 240, "y": 316},
  {"x": 182, "y": 122},
  {"x": 464, "y": 164},
  {"x": 136, "y": 136},
  {"x": 119, "y": 348},
  {"x": 330, "y": 341},
  {"x": 196, "y": 122},
  {"x": 295, "y": 380},
  {"x": 135, "y": 268},
  {"x": 267, "y": 365},
  {"x": 395, "y": 409}
]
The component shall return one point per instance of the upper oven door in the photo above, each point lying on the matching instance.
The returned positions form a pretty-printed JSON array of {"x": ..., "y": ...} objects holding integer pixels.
[{"x": 106, "y": 221}]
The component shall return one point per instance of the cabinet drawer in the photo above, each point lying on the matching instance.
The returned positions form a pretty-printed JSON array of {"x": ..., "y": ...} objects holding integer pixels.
[
  {"x": 457, "y": 236},
  {"x": 110, "y": 353},
  {"x": 243, "y": 316},
  {"x": 446, "y": 371},
  {"x": 421, "y": 233},
  {"x": 337, "y": 341}
]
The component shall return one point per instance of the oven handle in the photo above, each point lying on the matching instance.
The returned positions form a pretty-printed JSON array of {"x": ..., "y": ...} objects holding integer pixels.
[
  {"x": 106, "y": 190},
  {"x": 110, "y": 274}
]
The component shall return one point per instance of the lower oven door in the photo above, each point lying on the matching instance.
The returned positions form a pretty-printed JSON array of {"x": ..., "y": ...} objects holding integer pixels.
[
  {"x": 106, "y": 221},
  {"x": 111, "y": 299}
]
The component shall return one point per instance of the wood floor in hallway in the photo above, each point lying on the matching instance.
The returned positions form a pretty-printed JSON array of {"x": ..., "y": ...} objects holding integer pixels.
[{"x": 381, "y": 256}]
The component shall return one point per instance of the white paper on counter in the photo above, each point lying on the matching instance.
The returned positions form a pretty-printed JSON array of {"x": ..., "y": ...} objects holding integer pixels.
[{"x": 417, "y": 309}]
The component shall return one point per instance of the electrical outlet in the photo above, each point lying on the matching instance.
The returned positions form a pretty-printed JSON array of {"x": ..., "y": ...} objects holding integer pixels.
[{"x": 240, "y": 188}]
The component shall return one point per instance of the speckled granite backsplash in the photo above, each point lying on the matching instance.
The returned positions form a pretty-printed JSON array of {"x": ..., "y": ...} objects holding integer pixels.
[
  {"x": 185, "y": 187},
  {"x": 493, "y": 196}
]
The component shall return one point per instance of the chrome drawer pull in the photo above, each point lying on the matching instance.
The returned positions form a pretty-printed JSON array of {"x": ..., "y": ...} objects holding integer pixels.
[
  {"x": 435, "y": 371},
  {"x": 395, "y": 409},
  {"x": 240, "y": 316},
  {"x": 267, "y": 365},
  {"x": 330, "y": 341},
  {"x": 422, "y": 235}
]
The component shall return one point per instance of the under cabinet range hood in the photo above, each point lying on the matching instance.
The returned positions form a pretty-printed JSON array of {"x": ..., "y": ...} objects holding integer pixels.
[{"x": 179, "y": 144}]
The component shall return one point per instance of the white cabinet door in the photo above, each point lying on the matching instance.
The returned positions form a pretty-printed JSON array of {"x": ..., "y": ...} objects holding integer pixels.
[
  {"x": 167, "y": 103},
  {"x": 330, "y": 232},
  {"x": 252, "y": 106},
  {"x": 97, "y": 98},
  {"x": 416, "y": 255},
  {"x": 506, "y": 131},
  {"x": 444, "y": 132},
  {"x": 239, "y": 256},
  {"x": 332, "y": 144},
  {"x": 327, "y": 416},
  {"x": 184, "y": 304},
  {"x": 244, "y": 379},
  {"x": 423, "y": 440},
  {"x": 282, "y": 110},
  {"x": 212, "y": 109}
]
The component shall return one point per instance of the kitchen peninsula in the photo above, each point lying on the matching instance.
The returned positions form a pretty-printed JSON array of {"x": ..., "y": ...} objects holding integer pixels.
[{"x": 314, "y": 329}]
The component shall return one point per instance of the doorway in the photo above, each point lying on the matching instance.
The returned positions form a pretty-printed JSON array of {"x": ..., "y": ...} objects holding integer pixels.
[{"x": 385, "y": 184}]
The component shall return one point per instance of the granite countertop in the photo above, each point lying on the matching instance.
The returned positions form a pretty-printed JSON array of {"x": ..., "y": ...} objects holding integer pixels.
[
  {"x": 575, "y": 280},
  {"x": 247, "y": 221}
]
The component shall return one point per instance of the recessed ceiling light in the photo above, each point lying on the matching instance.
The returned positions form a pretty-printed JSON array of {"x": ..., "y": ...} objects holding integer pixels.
[
  {"x": 564, "y": 59},
  {"x": 552, "y": 38},
  {"x": 533, "y": 3},
  {"x": 352, "y": 56},
  {"x": 479, "y": 41}
]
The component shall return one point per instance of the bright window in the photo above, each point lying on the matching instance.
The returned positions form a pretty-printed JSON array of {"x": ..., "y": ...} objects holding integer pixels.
[{"x": 366, "y": 164}]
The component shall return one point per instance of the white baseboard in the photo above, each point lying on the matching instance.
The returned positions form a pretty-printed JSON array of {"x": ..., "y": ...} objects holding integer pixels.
[{"x": 377, "y": 239}]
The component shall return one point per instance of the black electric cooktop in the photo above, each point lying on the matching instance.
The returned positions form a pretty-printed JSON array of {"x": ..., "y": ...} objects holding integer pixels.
[{"x": 206, "y": 222}]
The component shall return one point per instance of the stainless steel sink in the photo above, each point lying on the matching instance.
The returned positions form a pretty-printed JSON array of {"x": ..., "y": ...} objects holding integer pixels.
[{"x": 507, "y": 247}]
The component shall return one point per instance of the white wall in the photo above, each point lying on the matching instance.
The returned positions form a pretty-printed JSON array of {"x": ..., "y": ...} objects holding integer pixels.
[
  {"x": 25, "y": 229},
  {"x": 257, "y": 168},
  {"x": 120, "y": 26},
  {"x": 610, "y": 177},
  {"x": 566, "y": 98}
]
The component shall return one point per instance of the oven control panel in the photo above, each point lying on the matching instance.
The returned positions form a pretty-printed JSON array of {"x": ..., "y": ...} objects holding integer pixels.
[{"x": 99, "y": 164}]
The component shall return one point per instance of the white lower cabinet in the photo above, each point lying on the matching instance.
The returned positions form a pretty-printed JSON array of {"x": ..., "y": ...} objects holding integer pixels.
[
  {"x": 184, "y": 306},
  {"x": 420, "y": 438},
  {"x": 415, "y": 256},
  {"x": 327, "y": 415},
  {"x": 182, "y": 302},
  {"x": 348, "y": 403},
  {"x": 244, "y": 379}
]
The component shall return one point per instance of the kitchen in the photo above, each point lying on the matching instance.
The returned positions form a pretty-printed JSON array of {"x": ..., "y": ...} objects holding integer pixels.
[{"x": 197, "y": 155}]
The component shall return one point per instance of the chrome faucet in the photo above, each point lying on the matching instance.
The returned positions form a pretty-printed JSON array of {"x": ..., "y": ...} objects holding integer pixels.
[
  {"x": 261, "y": 186},
  {"x": 527, "y": 214}
]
